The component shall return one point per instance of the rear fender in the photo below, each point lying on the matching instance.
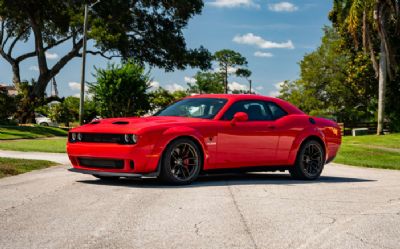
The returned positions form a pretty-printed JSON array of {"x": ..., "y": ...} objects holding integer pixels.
[
  {"x": 166, "y": 138},
  {"x": 304, "y": 135}
]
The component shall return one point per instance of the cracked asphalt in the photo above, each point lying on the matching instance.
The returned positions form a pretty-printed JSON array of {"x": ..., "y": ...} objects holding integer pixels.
[{"x": 348, "y": 207}]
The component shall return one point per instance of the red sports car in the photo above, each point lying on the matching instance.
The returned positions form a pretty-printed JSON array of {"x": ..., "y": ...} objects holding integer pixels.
[{"x": 206, "y": 133}]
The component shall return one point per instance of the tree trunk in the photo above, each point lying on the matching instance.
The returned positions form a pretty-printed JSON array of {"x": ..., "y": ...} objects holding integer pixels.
[
  {"x": 382, "y": 88},
  {"x": 16, "y": 75}
]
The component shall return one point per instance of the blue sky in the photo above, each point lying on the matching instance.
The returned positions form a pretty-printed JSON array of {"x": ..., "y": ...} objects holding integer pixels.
[{"x": 272, "y": 35}]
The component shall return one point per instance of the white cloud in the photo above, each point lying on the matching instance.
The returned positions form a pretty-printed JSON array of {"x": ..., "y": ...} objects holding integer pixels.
[
  {"x": 251, "y": 39},
  {"x": 51, "y": 56},
  {"x": 276, "y": 91},
  {"x": 263, "y": 54},
  {"x": 283, "y": 7},
  {"x": 154, "y": 84},
  {"x": 234, "y": 3},
  {"x": 230, "y": 69},
  {"x": 74, "y": 86},
  {"x": 87, "y": 95},
  {"x": 34, "y": 68},
  {"x": 237, "y": 86},
  {"x": 259, "y": 88},
  {"x": 190, "y": 80},
  {"x": 174, "y": 87}
]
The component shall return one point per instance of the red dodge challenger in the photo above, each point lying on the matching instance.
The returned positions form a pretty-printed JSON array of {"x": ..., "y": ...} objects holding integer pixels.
[{"x": 206, "y": 133}]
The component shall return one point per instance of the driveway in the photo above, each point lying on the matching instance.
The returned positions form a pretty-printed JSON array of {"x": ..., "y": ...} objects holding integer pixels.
[
  {"x": 348, "y": 207},
  {"x": 61, "y": 158}
]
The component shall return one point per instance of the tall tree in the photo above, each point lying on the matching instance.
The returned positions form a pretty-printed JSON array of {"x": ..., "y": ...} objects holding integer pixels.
[
  {"x": 207, "y": 82},
  {"x": 364, "y": 18},
  {"x": 161, "y": 98},
  {"x": 230, "y": 63},
  {"x": 120, "y": 90},
  {"x": 334, "y": 82},
  {"x": 149, "y": 31}
]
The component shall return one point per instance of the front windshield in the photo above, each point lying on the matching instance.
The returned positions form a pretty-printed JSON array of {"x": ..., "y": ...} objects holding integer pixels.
[{"x": 205, "y": 108}]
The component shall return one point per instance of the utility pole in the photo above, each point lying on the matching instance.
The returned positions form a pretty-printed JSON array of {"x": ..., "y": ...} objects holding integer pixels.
[
  {"x": 250, "y": 86},
  {"x": 82, "y": 99}
]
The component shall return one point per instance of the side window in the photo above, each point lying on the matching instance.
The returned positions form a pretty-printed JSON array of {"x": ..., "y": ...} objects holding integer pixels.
[
  {"x": 235, "y": 108},
  {"x": 276, "y": 111},
  {"x": 256, "y": 110}
]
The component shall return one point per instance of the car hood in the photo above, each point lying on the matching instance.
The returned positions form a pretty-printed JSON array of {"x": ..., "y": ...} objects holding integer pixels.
[{"x": 129, "y": 125}]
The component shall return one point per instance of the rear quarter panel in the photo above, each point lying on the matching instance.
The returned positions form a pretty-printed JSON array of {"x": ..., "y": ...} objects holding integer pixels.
[
  {"x": 332, "y": 134},
  {"x": 294, "y": 130}
]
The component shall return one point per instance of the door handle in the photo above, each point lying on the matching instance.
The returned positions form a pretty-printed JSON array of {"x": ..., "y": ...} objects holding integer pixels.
[{"x": 271, "y": 127}]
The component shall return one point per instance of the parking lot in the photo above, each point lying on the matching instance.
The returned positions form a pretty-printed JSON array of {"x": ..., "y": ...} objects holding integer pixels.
[{"x": 348, "y": 207}]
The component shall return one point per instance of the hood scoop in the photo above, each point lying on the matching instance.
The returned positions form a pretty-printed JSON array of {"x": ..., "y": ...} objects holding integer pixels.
[
  {"x": 95, "y": 122},
  {"x": 121, "y": 123}
]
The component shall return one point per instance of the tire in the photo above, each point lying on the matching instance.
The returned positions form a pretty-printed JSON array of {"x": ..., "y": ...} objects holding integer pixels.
[
  {"x": 181, "y": 162},
  {"x": 310, "y": 161},
  {"x": 44, "y": 124},
  {"x": 107, "y": 178}
]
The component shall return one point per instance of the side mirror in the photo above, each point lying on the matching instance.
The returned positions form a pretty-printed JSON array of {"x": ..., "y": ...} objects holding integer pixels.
[{"x": 239, "y": 117}]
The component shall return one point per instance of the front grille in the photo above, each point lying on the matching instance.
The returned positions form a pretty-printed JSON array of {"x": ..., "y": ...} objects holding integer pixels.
[
  {"x": 102, "y": 138},
  {"x": 101, "y": 163}
]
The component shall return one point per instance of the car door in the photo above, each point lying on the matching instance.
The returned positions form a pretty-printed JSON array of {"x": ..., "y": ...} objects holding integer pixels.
[{"x": 248, "y": 143}]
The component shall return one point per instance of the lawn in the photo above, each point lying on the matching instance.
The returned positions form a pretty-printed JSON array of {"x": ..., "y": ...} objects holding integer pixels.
[
  {"x": 388, "y": 141},
  {"x": 371, "y": 151},
  {"x": 19, "y": 132},
  {"x": 56, "y": 145},
  {"x": 10, "y": 167}
]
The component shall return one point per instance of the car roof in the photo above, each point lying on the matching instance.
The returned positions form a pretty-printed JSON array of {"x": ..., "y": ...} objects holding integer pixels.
[{"x": 235, "y": 97}]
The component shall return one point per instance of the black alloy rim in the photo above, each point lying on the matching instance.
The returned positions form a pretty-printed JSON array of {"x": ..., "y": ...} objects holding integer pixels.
[
  {"x": 312, "y": 160},
  {"x": 184, "y": 161}
]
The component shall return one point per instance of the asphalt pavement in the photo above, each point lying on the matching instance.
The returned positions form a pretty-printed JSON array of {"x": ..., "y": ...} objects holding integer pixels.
[{"x": 347, "y": 207}]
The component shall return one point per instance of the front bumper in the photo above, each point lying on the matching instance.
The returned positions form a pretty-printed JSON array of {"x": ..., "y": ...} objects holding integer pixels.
[
  {"x": 117, "y": 174},
  {"x": 130, "y": 159}
]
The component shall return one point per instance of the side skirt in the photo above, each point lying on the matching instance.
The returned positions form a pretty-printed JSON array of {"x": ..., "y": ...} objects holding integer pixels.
[{"x": 248, "y": 169}]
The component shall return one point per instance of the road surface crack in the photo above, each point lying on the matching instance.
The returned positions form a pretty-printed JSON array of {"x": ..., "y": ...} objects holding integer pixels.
[
  {"x": 243, "y": 220},
  {"x": 197, "y": 228},
  {"x": 30, "y": 199},
  {"x": 365, "y": 242}
]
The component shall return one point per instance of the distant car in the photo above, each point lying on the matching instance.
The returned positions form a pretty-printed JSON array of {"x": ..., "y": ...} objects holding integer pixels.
[
  {"x": 206, "y": 133},
  {"x": 44, "y": 121}
]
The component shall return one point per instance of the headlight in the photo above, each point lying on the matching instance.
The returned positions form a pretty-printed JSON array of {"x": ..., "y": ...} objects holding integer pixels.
[
  {"x": 127, "y": 138},
  {"x": 134, "y": 138},
  {"x": 130, "y": 139},
  {"x": 73, "y": 137}
]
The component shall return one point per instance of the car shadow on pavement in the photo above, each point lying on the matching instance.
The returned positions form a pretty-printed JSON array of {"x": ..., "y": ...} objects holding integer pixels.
[{"x": 226, "y": 180}]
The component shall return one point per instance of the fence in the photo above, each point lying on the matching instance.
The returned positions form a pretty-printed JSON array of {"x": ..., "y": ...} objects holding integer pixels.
[{"x": 371, "y": 126}]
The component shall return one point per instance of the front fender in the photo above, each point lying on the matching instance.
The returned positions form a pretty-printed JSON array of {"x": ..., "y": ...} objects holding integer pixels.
[
  {"x": 305, "y": 134},
  {"x": 167, "y": 137}
]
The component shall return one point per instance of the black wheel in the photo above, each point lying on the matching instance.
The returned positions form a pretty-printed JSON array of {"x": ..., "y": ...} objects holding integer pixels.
[
  {"x": 44, "y": 124},
  {"x": 106, "y": 178},
  {"x": 181, "y": 162},
  {"x": 310, "y": 161}
]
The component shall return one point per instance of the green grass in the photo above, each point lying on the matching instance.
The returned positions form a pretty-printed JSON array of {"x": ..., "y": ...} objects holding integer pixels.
[
  {"x": 56, "y": 145},
  {"x": 10, "y": 167},
  {"x": 388, "y": 141},
  {"x": 369, "y": 151},
  {"x": 20, "y": 132}
]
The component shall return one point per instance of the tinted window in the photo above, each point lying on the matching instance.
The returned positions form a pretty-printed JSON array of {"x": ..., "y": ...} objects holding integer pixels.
[
  {"x": 277, "y": 111},
  {"x": 256, "y": 110},
  {"x": 195, "y": 108}
]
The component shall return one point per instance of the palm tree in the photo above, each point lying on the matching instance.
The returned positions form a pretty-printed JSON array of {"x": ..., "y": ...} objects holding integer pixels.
[{"x": 368, "y": 16}]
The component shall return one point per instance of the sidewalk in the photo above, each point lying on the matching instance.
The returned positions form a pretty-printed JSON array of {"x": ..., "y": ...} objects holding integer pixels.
[{"x": 61, "y": 158}]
